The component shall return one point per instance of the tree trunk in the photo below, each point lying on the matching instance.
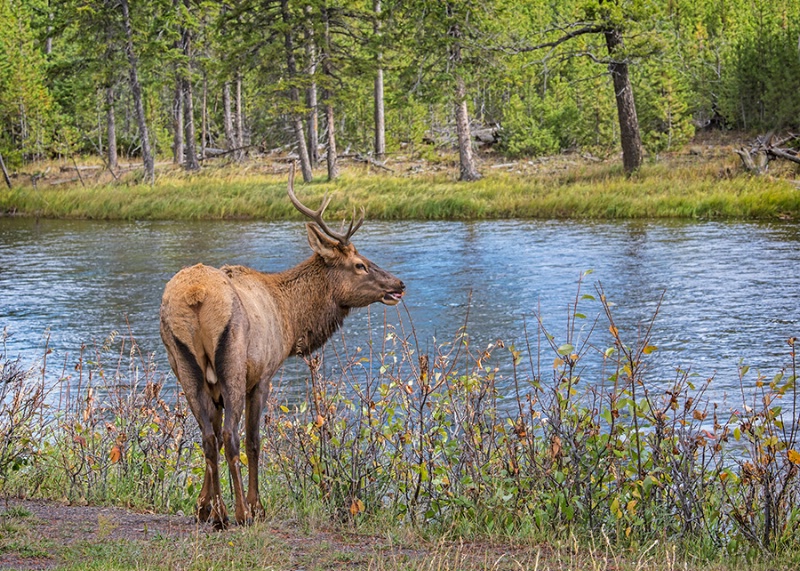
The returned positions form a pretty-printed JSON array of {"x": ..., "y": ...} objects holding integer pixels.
[
  {"x": 5, "y": 172},
  {"x": 136, "y": 90},
  {"x": 188, "y": 103},
  {"x": 380, "y": 116},
  {"x": 239, "y": 119},
  {"x": 204, "y": 118},
  {"x": 632, "y": 151},
  {"x": 468, "y": 170},
  {"x": 311, "y": 95},
  {"x": 332, "y": 158},
  {"x": 178, "y": 149},
  {"x": 230, "y": 138},
  {"x": 294, "y": 93},
  {"x": 111, "y": 130},
  {"x": 188, "y": 125}
]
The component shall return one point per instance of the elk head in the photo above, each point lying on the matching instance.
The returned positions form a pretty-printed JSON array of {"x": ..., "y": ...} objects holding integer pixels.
[{"x": 355, "y": 281}]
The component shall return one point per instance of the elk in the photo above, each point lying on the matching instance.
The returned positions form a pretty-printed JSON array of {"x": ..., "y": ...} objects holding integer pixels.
[{"x": 228, "y": 330}]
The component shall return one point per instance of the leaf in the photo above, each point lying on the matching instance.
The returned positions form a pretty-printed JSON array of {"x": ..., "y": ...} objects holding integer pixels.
[
  {"x": 649, "y": 349},
  {"x": 285, "y": 408},
  {"x": 319, "y": 421},
  {"x": 697, "y": 415},
  {"x": 566, "y": 349},
  {"x": 614, "y": 331},
  {"x": 356, "y": 507},
  {"x": 115, "y": 455},
  {"x": 794, "y": 457}
]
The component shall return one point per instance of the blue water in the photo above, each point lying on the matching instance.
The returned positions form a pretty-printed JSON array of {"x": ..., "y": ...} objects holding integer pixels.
[{"x": 731, "y": 291}]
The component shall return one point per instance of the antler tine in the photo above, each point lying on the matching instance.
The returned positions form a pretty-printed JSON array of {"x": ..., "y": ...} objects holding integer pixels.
[
  {"x": 316, "y": 215},
  {"x": 354, "y": 226}
]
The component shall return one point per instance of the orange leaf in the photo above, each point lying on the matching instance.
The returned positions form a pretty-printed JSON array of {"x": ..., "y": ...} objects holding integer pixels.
[
  {"x": 356, "y": 507},
  {"x": 115, "y": 455},
  {"x": 319, "y": 421},
  {"x": 699, "y": 415}
]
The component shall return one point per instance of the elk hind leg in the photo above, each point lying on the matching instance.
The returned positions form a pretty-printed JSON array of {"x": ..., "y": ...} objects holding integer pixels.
[
  {"x": 208, "y": 413},
  {"x": 210, "y": 505},
  {"x": 231, "y": 374}
]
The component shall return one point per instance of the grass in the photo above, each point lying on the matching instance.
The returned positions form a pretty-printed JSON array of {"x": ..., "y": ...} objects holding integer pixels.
[{"x": 680, "y": 186}]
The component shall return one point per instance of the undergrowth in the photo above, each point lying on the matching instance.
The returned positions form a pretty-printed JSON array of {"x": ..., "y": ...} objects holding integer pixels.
[{"x": 568, "y": 436}]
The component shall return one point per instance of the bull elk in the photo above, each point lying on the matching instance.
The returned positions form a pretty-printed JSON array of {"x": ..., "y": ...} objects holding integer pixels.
[{"x": 228, "y": 330}]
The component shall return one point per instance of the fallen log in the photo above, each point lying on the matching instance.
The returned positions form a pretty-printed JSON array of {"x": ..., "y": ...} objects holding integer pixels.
[{"x": 755, "y": 159}]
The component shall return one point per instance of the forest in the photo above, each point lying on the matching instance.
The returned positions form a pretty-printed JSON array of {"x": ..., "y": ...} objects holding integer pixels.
[{"x": 190, "y": 80}]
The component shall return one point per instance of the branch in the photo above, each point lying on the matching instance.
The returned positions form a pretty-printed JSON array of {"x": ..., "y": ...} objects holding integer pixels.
[{"x": 588, "y": 29}]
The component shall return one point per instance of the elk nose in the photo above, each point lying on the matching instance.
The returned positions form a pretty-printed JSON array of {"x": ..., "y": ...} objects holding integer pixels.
[{"x": 402, "y": 286}]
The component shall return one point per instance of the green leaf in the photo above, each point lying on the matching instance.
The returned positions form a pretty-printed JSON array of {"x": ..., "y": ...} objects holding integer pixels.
[{"x": 566, "y": 349}]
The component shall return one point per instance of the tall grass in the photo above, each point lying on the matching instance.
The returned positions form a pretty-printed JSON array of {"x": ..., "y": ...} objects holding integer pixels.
[
  {"x": 662, "y": 190},
  {"x": 584, "y": 444}
]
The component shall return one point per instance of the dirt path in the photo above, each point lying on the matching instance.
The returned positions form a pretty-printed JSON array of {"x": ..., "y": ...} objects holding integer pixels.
[
  {"x": 57, "y": 524},
  {"x": 34, "y": 535}
]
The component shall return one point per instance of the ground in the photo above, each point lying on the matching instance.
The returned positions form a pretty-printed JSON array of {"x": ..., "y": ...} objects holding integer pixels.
[{"x": 48, "y": 535}]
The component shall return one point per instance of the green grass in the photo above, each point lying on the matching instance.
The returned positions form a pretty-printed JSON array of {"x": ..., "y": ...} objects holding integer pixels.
[{"x": 671, "y": 189}]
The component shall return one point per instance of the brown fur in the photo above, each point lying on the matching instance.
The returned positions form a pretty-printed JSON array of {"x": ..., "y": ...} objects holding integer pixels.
[{"x": 228, "y": 330}]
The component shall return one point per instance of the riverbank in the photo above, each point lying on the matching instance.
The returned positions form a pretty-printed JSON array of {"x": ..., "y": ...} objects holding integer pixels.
[
  {"x": 418, "y": 463},
  {"x": 701, "y": 182}
]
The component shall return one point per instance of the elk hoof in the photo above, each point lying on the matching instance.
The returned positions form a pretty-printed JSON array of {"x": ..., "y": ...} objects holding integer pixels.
[
  {"x": 204, "y": 513},
  {"x": 222, "y": 524},
  {"x": 257, "y": 511}
]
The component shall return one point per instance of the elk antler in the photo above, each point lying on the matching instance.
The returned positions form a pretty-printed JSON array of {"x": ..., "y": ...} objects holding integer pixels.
[{"x": 316, "y": 215}]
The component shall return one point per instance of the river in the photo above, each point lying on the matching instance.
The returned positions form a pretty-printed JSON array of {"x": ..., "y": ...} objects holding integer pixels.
[{"x": 731, "y": 289}]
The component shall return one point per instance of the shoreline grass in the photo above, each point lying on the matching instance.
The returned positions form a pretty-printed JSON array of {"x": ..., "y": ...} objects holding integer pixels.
[{"x": 676, "y": 187}]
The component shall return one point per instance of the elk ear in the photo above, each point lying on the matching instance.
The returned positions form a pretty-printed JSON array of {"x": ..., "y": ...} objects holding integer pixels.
[{"x": 321, "y": 244}]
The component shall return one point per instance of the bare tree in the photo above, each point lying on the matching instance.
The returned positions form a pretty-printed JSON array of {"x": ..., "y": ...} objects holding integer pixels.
[
  {"x": 330, "y": 122},
  {"x": 191, "y": 162},
  {"x": 227, "y": 117},
  {"x": 380, "y": 116},
  {"x": 294, "y": 93},
  {"x": 178, "y": 149},
  {"x": 136, "y": 91},
  {"x": 111, "y": 130},
  {"x": 311, "y": 92},
  {"x": 468, "y": 170},
  {"x": 239, "y": 118}
]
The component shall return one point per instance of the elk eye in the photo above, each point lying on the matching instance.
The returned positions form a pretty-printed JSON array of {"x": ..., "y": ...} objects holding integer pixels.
[{"x": 360, "y": 266}]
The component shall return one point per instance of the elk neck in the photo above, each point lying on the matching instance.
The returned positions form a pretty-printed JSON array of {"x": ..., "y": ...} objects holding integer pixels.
[{"x": 310, "y": 312}]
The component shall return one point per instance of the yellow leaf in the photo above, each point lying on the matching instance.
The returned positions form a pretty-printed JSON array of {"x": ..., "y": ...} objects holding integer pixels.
[
  {"x": 614, "y": 331},
  {"x": 794, "y": 456},
  {"x": 243, "y": 458},
  {"x": 356, "y": 507},
  {"x": 649, "y": 349},
  {"x": 285, "y": 408}
]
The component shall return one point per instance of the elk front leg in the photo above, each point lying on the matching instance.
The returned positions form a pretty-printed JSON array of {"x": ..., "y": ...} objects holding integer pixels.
[{"x": 252, "y": 419}]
